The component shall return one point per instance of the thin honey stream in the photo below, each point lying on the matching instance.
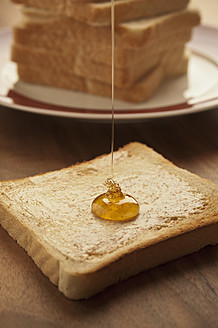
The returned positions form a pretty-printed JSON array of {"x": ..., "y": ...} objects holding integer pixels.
[{"x": 114, "y": 204}]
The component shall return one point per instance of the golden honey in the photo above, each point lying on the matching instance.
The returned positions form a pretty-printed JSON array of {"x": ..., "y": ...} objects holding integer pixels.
[{"x": 114, "y": 204}]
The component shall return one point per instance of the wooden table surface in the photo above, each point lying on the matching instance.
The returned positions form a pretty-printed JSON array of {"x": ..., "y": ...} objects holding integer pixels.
[{"x": 182, "y": 293}]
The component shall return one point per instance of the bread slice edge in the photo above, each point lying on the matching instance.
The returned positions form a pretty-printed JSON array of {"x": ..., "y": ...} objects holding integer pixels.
[{"x": 81, "y": 286}]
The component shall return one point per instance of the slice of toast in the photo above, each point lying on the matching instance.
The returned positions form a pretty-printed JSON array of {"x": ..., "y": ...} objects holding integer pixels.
[
  {"x": 50, "y": 216},
  {"x": 99, "y": 12},
  {"x": 98, "y": 51},
  {"x": 82, "y": 66},
  {"x": 132, "y": 34},
  {"x": 141, "y": 91}
]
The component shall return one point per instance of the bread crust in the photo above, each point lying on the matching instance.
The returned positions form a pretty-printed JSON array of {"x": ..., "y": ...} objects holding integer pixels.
[
  {"x": 81, "y": 66},
  {"x": 99, "y": 13},
  {"x": 140, "y": 91},
  {"x": 133, "y": 34},
  {"x": 100, "y": 52}
]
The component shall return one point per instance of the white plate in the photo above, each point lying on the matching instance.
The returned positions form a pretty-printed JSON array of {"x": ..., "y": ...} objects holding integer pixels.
[{"x": 196, "y": 92}]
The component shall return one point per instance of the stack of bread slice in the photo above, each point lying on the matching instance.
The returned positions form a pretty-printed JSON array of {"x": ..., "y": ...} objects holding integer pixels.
[{"x": 67, "y": 44}]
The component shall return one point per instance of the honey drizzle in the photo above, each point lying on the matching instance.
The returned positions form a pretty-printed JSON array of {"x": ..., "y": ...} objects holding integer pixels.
[
  {"x": 112, "y": 88},
  {"x": 114, "y": 205}
]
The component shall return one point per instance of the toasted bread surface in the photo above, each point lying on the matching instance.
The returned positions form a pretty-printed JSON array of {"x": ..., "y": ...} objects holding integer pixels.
[{"x": 50, "y": 216}]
